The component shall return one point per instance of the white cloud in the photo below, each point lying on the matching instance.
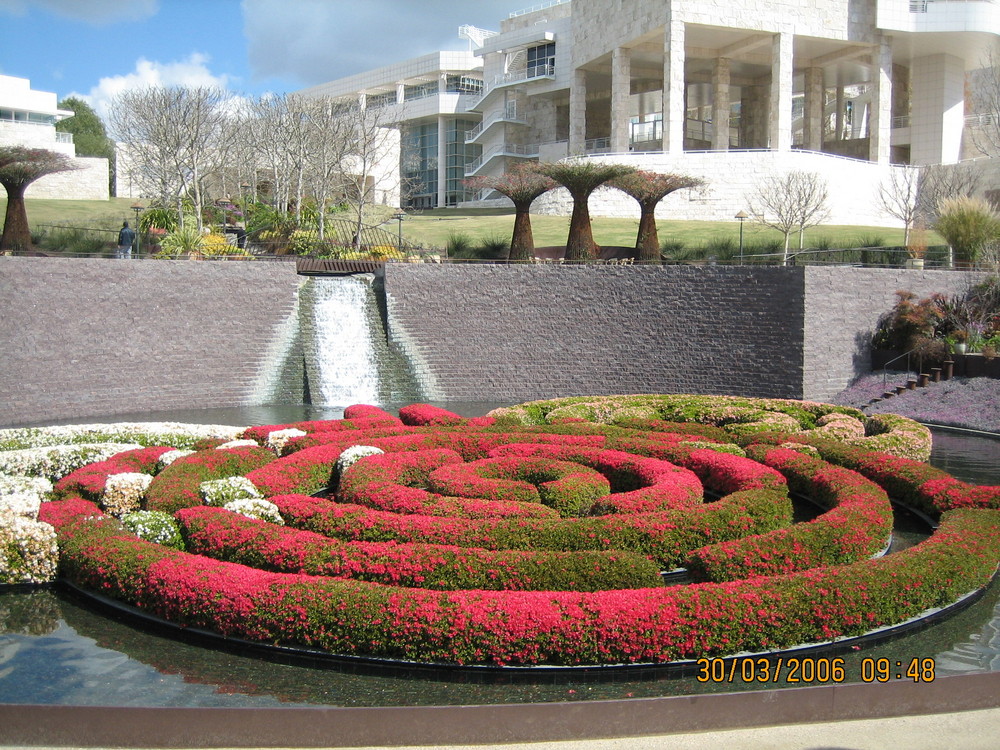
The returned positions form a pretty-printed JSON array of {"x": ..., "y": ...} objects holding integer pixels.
[
  {"x": 96, "y": 12},
  {"x": 190, "y": 72},
  {"x": 315, "y": 41}
]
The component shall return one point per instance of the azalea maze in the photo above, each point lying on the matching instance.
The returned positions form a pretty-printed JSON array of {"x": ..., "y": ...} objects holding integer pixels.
[{"x": 537, "y": 535}]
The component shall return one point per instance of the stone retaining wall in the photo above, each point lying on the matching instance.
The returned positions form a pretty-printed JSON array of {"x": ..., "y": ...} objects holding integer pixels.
[{"x": 85, "y": 338}]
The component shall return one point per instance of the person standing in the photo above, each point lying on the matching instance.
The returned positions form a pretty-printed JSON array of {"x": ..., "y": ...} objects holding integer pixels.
[{"x": 126, "y": 238}]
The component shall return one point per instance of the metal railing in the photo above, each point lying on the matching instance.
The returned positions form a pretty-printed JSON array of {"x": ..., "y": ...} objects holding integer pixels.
[
  {"x": 534, "y": 8},
  {"x": 517, "y": 76}
]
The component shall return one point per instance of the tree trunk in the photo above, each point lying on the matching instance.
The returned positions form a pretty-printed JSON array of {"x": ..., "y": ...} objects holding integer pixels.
[
  {"x": 16, "y": 234},
  {"x": 580, "y": 243},
  {"x": 647, "y": 243},
  {"x": 522, "y": 243}
]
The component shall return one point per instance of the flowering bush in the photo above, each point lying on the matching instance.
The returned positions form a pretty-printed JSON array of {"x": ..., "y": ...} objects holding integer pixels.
[
  {"x": 255, "y": 507},
  {"x": 28, "y": 549},
  {"x": 225, "y": 490},
  {"x": 22, "y": 496},
  {"x": 154, "y": 526},
  {"x": 387, "y": 565},
  {"x": 352, "y": 455},
  {"x": 123, "y": 492}
]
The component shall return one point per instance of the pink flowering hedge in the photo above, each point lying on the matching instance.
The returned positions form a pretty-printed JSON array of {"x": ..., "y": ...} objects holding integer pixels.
[
  {"x": 443, "y": 550},
  {"x": 226, "y": 536},
  {"x": 176, "y": 486},
  {"x": 652, "y": 625},
  {"x": 857, "y": 524},
  {"x": 88, "y": 481}
]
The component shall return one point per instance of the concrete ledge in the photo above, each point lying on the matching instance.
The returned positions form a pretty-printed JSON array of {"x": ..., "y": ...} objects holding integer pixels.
[{"x": 86, "y": 726}]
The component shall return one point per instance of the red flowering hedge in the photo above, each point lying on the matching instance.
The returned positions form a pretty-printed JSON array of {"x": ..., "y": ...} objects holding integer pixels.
[
  {"x": 858, "y": 524},
  {"x": 536, "y": 627},
  {"x": 226, "y": 536},
  {"x": 444, "y": 578},
  {"x": 88, "y": 481},
  {"x": 176, "y": 486}
]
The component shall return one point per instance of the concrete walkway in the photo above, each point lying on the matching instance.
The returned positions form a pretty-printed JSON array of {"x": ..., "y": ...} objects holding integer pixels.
[{"x": 966, "y": 730}]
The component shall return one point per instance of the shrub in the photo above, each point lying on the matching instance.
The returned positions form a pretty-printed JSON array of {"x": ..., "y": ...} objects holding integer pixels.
[
  {"x": 967, "y": 224},
  {"x": 154, "y": 526}
]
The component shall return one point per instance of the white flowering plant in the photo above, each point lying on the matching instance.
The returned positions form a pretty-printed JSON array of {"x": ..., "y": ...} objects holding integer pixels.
[
  {"x": 256, "y": 507},
  {"x": 278, "y": 439},
  {"x": 123, "y": 492},
  {"x": 218, "y": 492},
  {"x": 145, "y": 433},
  {"x": 170, "y": 456},
  {"x": 56, "y": 461},
  {"x": 28, "y": 550},
  {"x": 23, "y": 495},
  {"x": 154, "y": 526},
  {"x": 352, "y": 455},
  {"x": 237, "y": 444}
]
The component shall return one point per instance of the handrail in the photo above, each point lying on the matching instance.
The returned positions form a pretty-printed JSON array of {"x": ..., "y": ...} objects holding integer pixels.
[{"x": 920, "y": 365}]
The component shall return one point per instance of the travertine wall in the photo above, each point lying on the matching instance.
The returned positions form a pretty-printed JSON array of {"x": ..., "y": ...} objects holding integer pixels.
[
  {"x": 731, "y": 179},
  {"x": 87, "y": 182}
]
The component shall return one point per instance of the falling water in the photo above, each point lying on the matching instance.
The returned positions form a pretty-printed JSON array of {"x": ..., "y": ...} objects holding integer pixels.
[{"x": 347, "y": 357}]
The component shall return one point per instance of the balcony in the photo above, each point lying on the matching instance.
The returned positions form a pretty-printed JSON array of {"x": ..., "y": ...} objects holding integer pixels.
[
  {"x": 534, "y": 73},
  {"x": 507, "y": 114},
  {"x": 519, "y": 150}
]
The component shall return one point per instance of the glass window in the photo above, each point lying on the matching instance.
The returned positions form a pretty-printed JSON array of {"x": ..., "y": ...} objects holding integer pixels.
[{"x": 542, "y": 60}]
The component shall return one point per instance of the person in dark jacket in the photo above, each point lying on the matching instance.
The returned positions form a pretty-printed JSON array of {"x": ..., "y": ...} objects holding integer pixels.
[{"x": 126, "y": 238}]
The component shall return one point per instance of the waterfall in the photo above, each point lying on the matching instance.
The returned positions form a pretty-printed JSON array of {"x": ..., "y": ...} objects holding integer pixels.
[{"x": 347, "y": 357}]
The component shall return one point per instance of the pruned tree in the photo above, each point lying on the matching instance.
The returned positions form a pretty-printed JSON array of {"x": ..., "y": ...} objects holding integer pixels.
[
  {"x": 648, "y": 189},
  {"x": 19, "y": 167},
  {"x": 898, "y": 197},
  {"x": 522, "y": 184},
  {"x": 790, "y": 201},
  {"x": 581, "y": 179}
]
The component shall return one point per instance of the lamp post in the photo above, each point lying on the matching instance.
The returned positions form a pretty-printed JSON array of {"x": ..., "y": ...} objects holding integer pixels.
[
  {"x": 742, "y": 216},
  {"x": 399, "y": 216},
  {"x": 138, "y": 208}
]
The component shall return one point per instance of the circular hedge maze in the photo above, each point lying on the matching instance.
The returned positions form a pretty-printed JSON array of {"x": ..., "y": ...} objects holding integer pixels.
[{"x": 537, "y": 535}]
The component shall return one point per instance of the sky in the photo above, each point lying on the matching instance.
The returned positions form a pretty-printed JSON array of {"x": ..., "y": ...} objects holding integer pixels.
[{"x": 94, "y": 49}]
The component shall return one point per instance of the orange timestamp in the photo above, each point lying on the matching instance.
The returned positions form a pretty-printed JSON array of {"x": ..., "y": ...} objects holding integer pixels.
[{"x": 810, "y": 670}]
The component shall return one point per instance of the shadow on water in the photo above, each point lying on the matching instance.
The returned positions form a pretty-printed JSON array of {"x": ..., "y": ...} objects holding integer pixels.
[{"x": 53, "y": 651}]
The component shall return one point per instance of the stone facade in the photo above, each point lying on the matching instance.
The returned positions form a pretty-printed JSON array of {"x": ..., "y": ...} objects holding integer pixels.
[
  {"x": 82, "y": 338},
  {"x": 92, "y": 338}
]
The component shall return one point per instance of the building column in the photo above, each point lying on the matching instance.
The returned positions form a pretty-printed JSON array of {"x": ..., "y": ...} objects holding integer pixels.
[
  {"x": 937, "y": 109},
  {"x": 442, "y": 165},
  {"x": 673, "y": 86},
  {"x": 840, "y": 112},
  {"x": 400, "y": 93},
  {"x": 880, "y": 108},
  {"x": 780, "y": 118},
  {"x": 578, "y": 113},
  {"x": 815, "y": 96},
  {"x": 720, "y": 104},
  {"x": 621, "y": 92}
]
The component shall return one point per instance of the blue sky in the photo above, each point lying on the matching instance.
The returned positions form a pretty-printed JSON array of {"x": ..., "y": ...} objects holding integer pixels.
[{"x": 96, "y": 48}]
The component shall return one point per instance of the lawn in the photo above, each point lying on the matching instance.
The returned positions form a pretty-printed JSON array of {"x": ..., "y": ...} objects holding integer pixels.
[{"x": 433, "y": 228}]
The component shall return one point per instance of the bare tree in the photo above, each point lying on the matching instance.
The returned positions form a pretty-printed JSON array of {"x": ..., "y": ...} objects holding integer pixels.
[
  {"x": 795, "y": 200},
  {"x": 986, "y": 103},
  {"x": 327, "y": 145},
  {"x": 941, "y": 182},
  {"x": 898, "y": 197},
  {"x": 374, "y": 139},
  {"x": 19, "y": 167},
  {"x": 173, "y": 137}
]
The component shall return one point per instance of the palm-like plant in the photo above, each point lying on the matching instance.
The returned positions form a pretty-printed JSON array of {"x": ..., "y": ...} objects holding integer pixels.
[
  {"x": 582, "y": 178},
  {"x": 649, "y": 188},
  {"x": 522, "y": 184}
]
